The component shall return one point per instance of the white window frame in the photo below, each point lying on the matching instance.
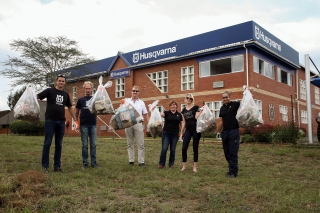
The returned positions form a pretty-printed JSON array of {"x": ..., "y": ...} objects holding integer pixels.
[
  {"x": 74, "y": 94},
  {"x": 120, "y": 87},
  {"x": 233, "y": 58},
  {"x": 259, "y": 105},
  {"x": 214, "y": 106},
  {"x": 316, "y": 95},
  {"x": 304, "y": 117},
  {"x": 289, "y": 77},
  {"x": 160, "y": 79},
  {"x": 284, "y": 112},
  {"x": 267, "y": 69},
  {"x": 94, "y": 89},
  {"x": 188, "y": 74},
  {"x": 183, "y": 106},
  {"x": 303, "y": 93}
]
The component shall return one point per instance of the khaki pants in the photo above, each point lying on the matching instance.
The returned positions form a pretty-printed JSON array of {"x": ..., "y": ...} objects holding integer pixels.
[{"x": 135, "y": 131}]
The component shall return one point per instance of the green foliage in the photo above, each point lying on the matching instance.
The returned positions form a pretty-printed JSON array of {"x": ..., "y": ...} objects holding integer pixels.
[
  {"x": 40, "y": 58},
  {"x": 286, "y": 133},
  {"x": 247, "y": 139},
  {"x": 14, "y": 97},
  {"x": 262, "y": 133},
  {"x": 24, "y": 128}
]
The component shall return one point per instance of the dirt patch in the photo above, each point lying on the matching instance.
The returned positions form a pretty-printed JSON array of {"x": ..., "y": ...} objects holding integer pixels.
[{"x": 32, "y": 177}]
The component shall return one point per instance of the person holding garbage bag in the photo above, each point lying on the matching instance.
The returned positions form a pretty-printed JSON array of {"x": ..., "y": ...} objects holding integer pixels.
[
  {"x": 190, "y": 114},
  {"x": 137, "y": 130},
  {"x": 173, "y": 124},
  {"x": 54, "y": 123},
  {"x": 230, "y": 133},
  {"x": 88, "y": 126}
]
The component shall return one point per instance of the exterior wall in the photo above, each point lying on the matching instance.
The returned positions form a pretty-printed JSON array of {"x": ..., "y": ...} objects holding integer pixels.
[{"x": 269, "y": 91}]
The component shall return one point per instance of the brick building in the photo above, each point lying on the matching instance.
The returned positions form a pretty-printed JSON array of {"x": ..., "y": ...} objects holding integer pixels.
[{"x": 206, "y": 65}]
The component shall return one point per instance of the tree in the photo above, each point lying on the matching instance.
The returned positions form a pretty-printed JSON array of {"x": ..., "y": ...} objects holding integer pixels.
[
  {"x": 41, "y": 58},
  {"x": 13, "y": 98}
]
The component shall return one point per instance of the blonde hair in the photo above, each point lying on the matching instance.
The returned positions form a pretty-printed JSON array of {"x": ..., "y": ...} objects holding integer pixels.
[
  {"x": 87, "y": 82},
  {"x": 190, "y": 96},
  {"x": 136, "y": 87}
]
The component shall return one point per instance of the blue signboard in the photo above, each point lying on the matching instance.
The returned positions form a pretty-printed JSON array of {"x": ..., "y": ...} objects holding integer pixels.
[
  {"x": 120, "y": 73},
  {"x": 228, "y": 38},
  {"x": 211, "y": 41}
]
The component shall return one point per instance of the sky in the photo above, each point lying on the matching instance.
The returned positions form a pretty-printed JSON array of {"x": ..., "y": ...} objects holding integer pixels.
[{"x": 102, "y": 28}]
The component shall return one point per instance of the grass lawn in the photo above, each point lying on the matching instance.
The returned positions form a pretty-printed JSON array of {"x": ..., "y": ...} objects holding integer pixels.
[{"x": 272, "y": 178}]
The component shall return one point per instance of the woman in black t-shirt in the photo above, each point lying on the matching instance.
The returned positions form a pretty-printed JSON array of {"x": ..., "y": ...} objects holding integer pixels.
[
  {"x": 190, "y": 114},
  {"x": 174, "y": 121}
]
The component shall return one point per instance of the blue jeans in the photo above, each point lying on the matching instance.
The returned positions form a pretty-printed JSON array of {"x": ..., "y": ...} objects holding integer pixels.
[
  {"x": 51, "y": 128},
  {"x": 168, "y": 138},
  {"x": 88, "y": 131},
  {"x": 231, "y": 144}
]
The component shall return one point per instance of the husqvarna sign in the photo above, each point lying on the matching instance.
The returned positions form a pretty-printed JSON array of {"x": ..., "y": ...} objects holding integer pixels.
[{"x": 138, "y": 56}]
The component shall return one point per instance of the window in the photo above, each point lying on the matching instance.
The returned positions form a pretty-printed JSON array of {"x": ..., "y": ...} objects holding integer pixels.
[
  {"x": 284, "y": 77},
  {"x": 183, "y": 106},
  {"x": 263, "y": 67},
  {"x": 221, "y": 66},
  {"x": 304, "y": 117},
  {"x": 74, "y": 94},
  {"x": 214, "y": 106},
  {"x": 187, "y": 78},
  {"x": 316, "y": 95},
  {"x": 160, "y": 108},
  {"x": 119, "y": 87},
  {"x": 160, "y": 79},
  {"x": 259, "y": 106},
  {"x": 303, "y": 90},
  {"x": 284, "y": 112},
  {"x": 94, "y": 89}
]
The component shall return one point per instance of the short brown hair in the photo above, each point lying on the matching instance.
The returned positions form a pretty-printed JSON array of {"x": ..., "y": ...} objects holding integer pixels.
[{"x": 173, "y": 102}]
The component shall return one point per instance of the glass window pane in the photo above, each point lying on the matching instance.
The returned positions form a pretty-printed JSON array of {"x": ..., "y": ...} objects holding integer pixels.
[
  {"x": 184, "y": 79},
  {"x": 204, "y": 69},
  {"x": 237, "y": 63}
]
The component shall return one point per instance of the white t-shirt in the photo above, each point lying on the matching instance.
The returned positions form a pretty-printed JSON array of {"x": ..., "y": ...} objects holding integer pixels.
[{"x": 140, "y": 106}]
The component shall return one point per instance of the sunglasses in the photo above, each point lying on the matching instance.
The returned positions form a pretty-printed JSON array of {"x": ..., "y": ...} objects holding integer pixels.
[
  {"x": 189, "y": 98},
  {"x": 135, "y": 90}
]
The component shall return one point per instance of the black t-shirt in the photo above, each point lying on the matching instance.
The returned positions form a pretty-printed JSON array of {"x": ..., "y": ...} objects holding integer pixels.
[
  {"x": 86, "y": 117},
  {"x": 56, "y": 101},
  {"x": 172, "y": 121},
  {"x": 228, "y": 114},
  {"x": 190, "y": 117}
]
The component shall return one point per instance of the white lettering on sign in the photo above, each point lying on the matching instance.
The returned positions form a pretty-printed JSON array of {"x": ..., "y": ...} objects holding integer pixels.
[
  {"x": 260, "y": 35},
  {"x": 137, "y": 56}
]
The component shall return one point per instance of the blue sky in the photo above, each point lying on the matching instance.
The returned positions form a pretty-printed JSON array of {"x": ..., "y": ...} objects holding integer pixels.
[{"x": 103, "y": 28}]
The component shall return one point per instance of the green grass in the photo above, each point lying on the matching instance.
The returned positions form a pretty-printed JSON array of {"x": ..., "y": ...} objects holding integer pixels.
[{"x": 272, "y": 178}]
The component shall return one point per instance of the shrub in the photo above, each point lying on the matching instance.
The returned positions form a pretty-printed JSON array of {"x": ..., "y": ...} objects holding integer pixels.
[
  {"x": 23, "y": 127},
  {"x": 262, "y": 133},
  {"x": 247, "y": 139},
  {"x": 287, "y": 133}
]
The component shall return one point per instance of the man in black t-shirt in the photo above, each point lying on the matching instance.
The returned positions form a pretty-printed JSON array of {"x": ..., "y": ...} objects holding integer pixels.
[
  {"x": 88, "y": 126},
  {"x": 54, "y": 123},
  {"x": 230, "y": 134}
]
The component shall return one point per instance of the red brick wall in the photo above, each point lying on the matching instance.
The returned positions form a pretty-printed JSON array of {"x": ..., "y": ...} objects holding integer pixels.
[{"x": 269, "y": 91}]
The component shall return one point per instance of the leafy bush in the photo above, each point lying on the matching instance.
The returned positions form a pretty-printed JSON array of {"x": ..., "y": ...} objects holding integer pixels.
[
  {"x": 25, "y": 128},
  {"x": 286, "y": 133},
  {"x": 247, "y": 139},
  {"x": 262, "y": 133}
]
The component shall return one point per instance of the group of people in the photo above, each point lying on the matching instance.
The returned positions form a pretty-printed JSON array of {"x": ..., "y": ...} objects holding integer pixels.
[{"x": 175, "y": 124}]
